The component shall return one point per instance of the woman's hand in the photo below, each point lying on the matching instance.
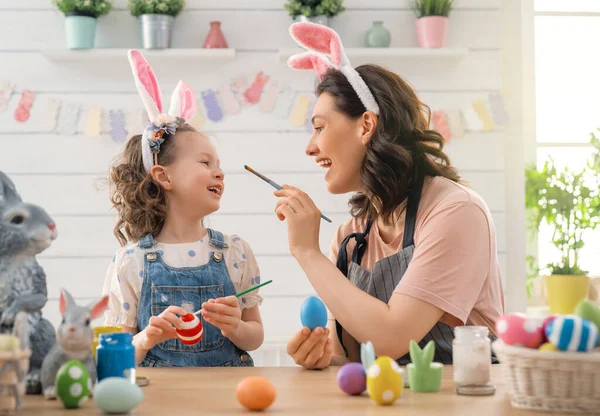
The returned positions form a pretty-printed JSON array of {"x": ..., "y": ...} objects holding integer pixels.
[
  {"x": 161, "y": 328},
  {"x": 303, "y": 219},
  {"x": 224, "y": 313},
  {"x": 312, "y": 350}
]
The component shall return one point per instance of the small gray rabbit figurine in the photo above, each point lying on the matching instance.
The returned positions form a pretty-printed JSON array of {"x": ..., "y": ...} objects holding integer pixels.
[
  {"x": 25, "y": 231},
  {"x": 74, "y": 339}
]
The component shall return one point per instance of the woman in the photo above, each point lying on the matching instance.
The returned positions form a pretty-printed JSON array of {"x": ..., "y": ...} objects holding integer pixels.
[{"x": 419, "y": 255}]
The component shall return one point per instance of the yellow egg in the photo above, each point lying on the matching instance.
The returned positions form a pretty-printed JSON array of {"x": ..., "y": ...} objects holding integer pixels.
[
  {"x": 547, "y": 347},
  {"x": 384, "y": 381}
]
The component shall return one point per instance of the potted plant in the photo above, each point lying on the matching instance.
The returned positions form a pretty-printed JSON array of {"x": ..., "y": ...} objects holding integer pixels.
[
  {"x": 80, "y": 20},
  {"x": 568, "y": 201},
  {"x": 315, "y": 11},
  {"x": 155, "y": 18},
  {"x": 432, "y": 22}
]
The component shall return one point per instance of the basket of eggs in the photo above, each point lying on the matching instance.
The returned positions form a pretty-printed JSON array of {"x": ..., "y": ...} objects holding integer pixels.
[{"x": 553, "y": 365}]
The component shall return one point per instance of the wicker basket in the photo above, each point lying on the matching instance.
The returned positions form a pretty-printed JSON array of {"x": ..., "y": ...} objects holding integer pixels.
[
  {"x": 13, "y": 368},
  {"x": 551, "y": 381}
]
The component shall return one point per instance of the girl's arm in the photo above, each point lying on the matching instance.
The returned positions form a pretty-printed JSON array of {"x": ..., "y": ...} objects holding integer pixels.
[
  {"x": 138, "y": 342},
  {"x": 250, "y": 334}
]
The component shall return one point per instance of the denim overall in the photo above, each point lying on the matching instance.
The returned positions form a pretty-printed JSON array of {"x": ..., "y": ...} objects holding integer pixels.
[{"x": 164, "y": 285}]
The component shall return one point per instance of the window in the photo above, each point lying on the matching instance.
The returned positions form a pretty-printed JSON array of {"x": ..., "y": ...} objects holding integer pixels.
[{"x": 567, "y": 85}]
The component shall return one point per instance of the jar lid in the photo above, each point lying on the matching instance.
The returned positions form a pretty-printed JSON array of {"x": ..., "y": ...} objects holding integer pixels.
[
  {"x": 476, "y": 390},
  {"x": 116, "y": 338}
]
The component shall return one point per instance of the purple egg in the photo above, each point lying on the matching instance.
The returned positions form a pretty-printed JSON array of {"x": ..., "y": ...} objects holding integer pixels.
[{"x": 352, "y": 379}]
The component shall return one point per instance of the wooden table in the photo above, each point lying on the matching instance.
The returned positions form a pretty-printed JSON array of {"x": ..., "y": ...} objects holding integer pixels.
[{"x": 211, "y": 391}]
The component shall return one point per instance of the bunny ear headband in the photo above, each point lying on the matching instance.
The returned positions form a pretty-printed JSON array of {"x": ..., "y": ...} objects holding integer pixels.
[
  {"x": 320, "y": 41},
  {"x": 183, "y": 107}
]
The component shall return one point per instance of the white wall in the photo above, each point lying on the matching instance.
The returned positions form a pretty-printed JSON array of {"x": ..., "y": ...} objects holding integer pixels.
[{"x": 60, "y": 172}]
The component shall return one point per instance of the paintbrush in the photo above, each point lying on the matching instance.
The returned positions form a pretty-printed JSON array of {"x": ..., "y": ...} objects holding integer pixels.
[
  {"x": 274, "y": 185},
  {"x": 237, "y": 295}
]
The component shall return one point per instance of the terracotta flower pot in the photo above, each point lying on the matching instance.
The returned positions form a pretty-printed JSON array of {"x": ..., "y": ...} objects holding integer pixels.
[{"x": 432, "y": 31}]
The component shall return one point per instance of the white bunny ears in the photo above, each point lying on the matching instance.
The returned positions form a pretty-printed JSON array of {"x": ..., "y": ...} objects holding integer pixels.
[
  {"x": 183, "y": 107},
  {"x": 320, "y": 41}
]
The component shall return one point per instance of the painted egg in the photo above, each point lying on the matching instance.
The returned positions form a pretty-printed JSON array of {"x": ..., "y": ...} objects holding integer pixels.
[
  {"x": 313, "y": 313},
  {"x": 572, "y": 333},
  {"x": 117, "y": 395},
  {"x": 367, "y": 355},
  {"x": 255, "y": 393},
  {"x": 73, "y": 384},
  {"x": 546, "y": 323},
  {"x": 352, "y": 378},
  {"x": 191, "y": 330},
  {"x": 520, "y": 331},
  {"x": 548, "y": 347},
  {"x": 384, "y": 381},
  {"x": 587, "y": 309}
]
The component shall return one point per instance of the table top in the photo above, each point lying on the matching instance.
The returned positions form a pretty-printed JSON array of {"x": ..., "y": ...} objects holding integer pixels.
[{"x": 211, "y": 391}]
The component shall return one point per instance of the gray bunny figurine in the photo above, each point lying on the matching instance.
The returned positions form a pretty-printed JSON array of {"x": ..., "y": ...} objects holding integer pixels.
[
  {"x": 25, "y": 231},
  {"x": 74, "y": 339}
]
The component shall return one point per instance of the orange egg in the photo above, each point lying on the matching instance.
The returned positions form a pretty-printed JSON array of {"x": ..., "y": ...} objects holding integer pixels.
[{"x": 255, "y": 393}]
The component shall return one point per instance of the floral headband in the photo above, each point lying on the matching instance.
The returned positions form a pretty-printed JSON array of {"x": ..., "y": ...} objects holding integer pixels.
[
  {"x": 183, "y": 107},
  {"x": 320, "y": 41}
]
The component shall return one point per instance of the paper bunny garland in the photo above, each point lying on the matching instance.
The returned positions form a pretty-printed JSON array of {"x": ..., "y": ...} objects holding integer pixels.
[
  {"x": 183, "y": 107},
  {"x": 320, "y": 41}
]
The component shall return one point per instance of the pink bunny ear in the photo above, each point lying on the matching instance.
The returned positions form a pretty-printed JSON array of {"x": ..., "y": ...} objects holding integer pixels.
[
  {"x": 309, "y": 61},
  {"x": 321, "y": 39},
  {"x": 146, "y": 83},
  {"x": 98, "y": 308},
  {"x": 183, "y": 102}
]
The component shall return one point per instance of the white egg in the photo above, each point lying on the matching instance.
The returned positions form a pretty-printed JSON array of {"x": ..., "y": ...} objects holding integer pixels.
[{"x": 117, "y": 395}]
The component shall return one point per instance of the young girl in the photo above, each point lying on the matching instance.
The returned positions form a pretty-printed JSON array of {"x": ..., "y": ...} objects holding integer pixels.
[{"x": 166, "y": 181}]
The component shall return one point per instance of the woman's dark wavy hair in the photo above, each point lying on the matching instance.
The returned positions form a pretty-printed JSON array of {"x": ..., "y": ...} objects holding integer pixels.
[{"x": 403, "y": 149}]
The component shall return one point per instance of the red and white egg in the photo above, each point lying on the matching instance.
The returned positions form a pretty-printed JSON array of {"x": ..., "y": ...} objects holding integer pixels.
[
  {"x": 520, "y": 331},
  {"x": 191, "y": 329}
]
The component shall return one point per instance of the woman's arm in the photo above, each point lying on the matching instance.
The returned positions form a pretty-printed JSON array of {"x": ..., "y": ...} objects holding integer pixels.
[
  {"x": 389, "y": 327},
  {"x": 445, "y": 275}
]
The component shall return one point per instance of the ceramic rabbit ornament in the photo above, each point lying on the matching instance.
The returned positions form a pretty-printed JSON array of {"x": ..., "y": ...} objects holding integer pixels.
[
  {"x": 183, "y": 107},
  {"x": 25, "y": 231},
  {"x": 74, "y": 339}
]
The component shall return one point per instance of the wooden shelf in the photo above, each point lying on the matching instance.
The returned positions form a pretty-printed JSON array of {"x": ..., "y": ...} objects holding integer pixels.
[
  {"x": 389, "y": 53},
  {"x": 118, "y": 54}
]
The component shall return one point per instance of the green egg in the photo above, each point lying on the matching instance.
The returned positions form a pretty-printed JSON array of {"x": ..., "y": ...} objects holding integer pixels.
[
  {"x": 73, "y": 384},
  {"x": 587, "y": 309}
]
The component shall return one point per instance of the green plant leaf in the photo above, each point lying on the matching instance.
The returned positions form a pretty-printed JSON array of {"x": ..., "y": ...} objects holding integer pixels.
[
  {"x": 168, "y": 7},
  {"x": 312, "y": 8},
  {"x": 92, "y": 8}
]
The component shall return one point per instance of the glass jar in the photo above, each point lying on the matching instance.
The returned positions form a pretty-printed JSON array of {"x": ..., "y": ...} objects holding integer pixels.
[
  {"x": 116, "y": 356},
  {"x": 102, "y": 329},
  {"x": 471, "y": 356}
]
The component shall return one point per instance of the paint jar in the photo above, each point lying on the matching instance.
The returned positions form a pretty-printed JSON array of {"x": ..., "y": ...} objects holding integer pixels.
[
  {"x": 116, "y": 356},
  {"x": 472, "y": 359},
  {"x": 102, "y": 329}
]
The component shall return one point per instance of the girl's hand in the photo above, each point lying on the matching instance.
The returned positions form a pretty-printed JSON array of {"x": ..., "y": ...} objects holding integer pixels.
[
  {"x": 303, "y": 219},
  {"x": 312, "y": 350},
  {"x": 224, "y": 313},
  {"x": 161, "y": 328}
]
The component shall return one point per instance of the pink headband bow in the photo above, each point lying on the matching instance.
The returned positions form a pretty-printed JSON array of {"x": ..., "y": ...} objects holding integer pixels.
[{"x": 321, "y": 41}]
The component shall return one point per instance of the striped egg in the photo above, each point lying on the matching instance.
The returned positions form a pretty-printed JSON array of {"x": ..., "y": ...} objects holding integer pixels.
[{"x": 572, "y": 333}]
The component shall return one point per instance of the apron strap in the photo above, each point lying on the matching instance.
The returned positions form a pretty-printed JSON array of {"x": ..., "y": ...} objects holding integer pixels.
[
  {"x": 359, "y": 250},
  {"x": 412, "y": 206}
]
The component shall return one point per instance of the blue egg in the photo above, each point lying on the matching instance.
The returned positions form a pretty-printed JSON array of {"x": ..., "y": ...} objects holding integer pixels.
[
  {"x": 313, "y": 313},
  {"x": 572, "y": 333}
]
